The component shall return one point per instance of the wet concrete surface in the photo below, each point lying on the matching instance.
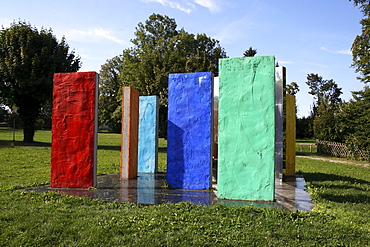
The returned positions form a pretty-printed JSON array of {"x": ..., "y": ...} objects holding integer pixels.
[{"x": 152, "y": 189}]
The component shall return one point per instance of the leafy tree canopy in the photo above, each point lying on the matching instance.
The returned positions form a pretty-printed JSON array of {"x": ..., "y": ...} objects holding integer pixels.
[
  {"x": 159, "y": 48},
  {"x": 361, "y": 45},
  {"x": 361, "y": 52},
  {"x": 110, "y": 89},
  {"x": 28, "y": 59}
]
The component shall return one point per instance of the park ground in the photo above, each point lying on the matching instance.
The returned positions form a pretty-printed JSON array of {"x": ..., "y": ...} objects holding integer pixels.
[{"x": 339, "y": 189}]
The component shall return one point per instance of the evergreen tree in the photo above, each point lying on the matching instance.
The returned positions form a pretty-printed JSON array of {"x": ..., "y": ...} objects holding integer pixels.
[
  {"x": 355, "y": 122},
  {"x": 250, "y": 52},
  {"x": 326, "y": 107}
]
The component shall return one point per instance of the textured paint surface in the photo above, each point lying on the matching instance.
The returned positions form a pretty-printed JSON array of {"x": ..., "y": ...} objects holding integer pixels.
[
  {"x": 130, "y": 129},
  {"x": 189, "y": 144},
  {"x": 280, "y": 81},
  {"x": 246, "y": 131},
  {"x": 148, "y": 134},
  {"x": 290, "y": 135},
  {"x": 74, "y": 130}
]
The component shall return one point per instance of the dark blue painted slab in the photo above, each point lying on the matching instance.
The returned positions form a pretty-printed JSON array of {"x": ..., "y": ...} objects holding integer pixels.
[
  {"x": 148, "y": 134},
  {"x": 189, "y": 133}
]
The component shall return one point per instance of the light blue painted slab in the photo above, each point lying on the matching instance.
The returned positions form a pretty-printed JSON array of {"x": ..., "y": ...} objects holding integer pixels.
[
  {"x": 148, "y": 134},
  {"x": 146, "y": 188},
  {"x": 189, "y": 133}
]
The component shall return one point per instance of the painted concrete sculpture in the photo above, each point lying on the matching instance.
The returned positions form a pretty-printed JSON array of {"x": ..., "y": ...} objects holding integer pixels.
[
  {"x": 74, "y": 130},
  {"x": 189, "y": 145},
  {"x": 130, "y": 123},
  {"x": 148, "y": 134},
  {"x": 246, "y": 131}
]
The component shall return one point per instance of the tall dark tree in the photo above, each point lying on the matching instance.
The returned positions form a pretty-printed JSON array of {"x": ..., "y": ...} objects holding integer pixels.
[
  {"x": 321, "y": 88},
  {"x": 28, "y": 59},
  {"x": 160, "y": 49},
  {"x": 326, "y": 107},
  {"x": 250, "y": 52}
]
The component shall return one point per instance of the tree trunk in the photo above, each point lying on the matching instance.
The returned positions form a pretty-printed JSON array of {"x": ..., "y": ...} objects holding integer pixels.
[
  {"x": 29, "y": 110},
  {"x": 28, "y": 131}
]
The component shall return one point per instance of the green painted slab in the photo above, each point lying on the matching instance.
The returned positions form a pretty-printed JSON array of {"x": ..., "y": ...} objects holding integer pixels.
[{"x": 246, "y": 134}]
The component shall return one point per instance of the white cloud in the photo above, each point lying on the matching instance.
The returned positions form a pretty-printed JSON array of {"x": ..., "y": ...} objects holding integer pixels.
[
  {"x": 188, "y": 5},
  {"x": 94, "y": 34},
  {"x": 345, "y": 52},
  {"x": 234, "y": 31},
  {"x": 284, "y": 62},
  {"x": 212, "y": 5},
  {"x": 172, "y": 4}
]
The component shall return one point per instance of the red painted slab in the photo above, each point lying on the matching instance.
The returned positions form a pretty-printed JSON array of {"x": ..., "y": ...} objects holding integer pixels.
[{"x": 74, "y": 130}]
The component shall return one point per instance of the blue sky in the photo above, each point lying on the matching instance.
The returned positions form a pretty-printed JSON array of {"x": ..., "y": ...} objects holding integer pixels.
[{"x": 305, "y": 36}]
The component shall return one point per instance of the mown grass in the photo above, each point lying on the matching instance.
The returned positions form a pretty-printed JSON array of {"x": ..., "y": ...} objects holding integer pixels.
[{"x": 340, "y": 218}]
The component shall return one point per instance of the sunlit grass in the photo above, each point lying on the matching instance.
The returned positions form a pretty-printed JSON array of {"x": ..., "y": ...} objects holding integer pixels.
[{"x": 340, "y": 195}]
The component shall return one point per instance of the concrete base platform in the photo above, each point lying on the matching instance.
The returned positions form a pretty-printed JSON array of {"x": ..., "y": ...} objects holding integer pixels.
[{"x": 152, "y": 189}]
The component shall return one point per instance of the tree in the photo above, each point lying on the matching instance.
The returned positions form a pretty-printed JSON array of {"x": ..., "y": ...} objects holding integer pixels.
[
  {"x": 364, "y": 6},
  {"x": 361, "y": 45},
  {"x": 321, "y": 88},
  {"x": 355, "y": 121},
  {"x": 291, "y": 88},
  {"x": 109, "y": 98},
  {"x": 326, "y": 122},
  {"x": 325, "y": 107},
  {"x": 250, "y": 52},
  {"x": 305, "y": 127},
  {"x": 361, "y": 52},
  {"x": 160, "y": 49},
  {"x": 28, "y": 59},
  {"x": 4, "y": 113}
]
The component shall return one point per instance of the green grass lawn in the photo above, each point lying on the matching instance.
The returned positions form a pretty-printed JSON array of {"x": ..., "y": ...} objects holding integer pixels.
[{"x": 340, "y": 194}]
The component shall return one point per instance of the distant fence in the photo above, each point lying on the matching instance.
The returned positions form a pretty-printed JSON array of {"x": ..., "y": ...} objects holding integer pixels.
[
  {"x": 339, "y": 150},
  {"x": 306, "y": 147}
]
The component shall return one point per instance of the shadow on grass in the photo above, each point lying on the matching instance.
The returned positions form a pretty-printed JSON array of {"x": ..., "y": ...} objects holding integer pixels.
[
  {"x": 341, "y": 189},
  {"x": 162, "y": 150},
  {"x": 105, "y": 147},
  {"x": 24, "y": 144}
]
